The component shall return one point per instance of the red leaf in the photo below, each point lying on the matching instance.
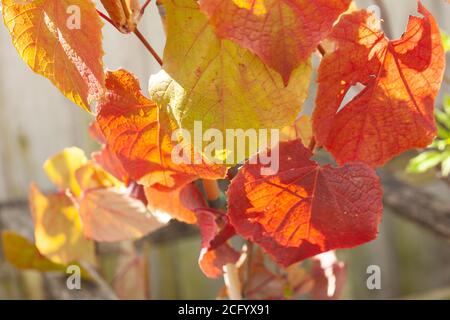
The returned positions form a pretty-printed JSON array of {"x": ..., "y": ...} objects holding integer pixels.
[
  {"x": 282, "y": 33},
  {"x": 305, "y": 209},
  {"x": 394, "y": 111},
  {"x": 213, "y": 259},
  {"x": 179, "y": 203}
]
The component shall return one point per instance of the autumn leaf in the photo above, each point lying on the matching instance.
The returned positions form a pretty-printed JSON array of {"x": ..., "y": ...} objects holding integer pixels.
[
  {"x": 125, "y": 13},
  {"x": 92, "y": 176},
  {"x": 58, "y": 231},
  {"x": 301, "y": 129},
  {"x": 111, "y": 215},
  {"x": 131, "y": 279},
  {"x": 305, "y": 209},
  {"x": 399, "y": 79},
  {"x": 213, "y": 256},
  {"x": 110, "y": 162},
  {"x": 179, "y": 203},
  {"x": 140, "y": 135},
  {"x": 46, "y": 36},
  {"x": 61, "y": 169},
  {"x": 283, "y": 33},
  {"x": 219, "y": 83},
  {"x": 22, "y": 254}
]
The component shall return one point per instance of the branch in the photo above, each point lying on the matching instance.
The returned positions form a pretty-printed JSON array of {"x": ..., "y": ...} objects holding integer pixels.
[{"x": 416, "y": 205}]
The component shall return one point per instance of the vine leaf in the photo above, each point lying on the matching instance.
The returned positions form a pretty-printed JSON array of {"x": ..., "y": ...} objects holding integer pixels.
[
  {"x": 179, "y": 203},
  {"x": 110, "y": 215},
  {"x": 53, "y": 46},
  {"x": 213, "y": 80},
  {"x": 58, "y": 230},
  {"x": 140, "y": 135},
  {"x": 305, "y": 209},
  {"x": 301, "y": 129},
  {"x": 61, "y": 169},
  {"x": 23, "y": 254},
  {"x": 283, "y": 33},
  {"x": 400, "y": 80},
  {"x": 131, "y": 275}
]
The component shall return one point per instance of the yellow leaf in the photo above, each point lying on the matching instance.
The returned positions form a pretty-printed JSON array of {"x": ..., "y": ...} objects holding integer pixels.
[
  {"x": 219, "y": 83},
  {"x": 22, "y": 254},
  {"x": 62, "y": 41},
  {"x": 58, "y": 230},
  {"x": 61, "y": 169},
  {"x": 91, "y": 176}
]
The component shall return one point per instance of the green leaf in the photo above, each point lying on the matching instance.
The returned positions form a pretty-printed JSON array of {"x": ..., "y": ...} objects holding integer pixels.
[
  {"x": 445, "y": 166},
  {"x": 445, "y": 40},
  {"x": 425, "y": 161}
]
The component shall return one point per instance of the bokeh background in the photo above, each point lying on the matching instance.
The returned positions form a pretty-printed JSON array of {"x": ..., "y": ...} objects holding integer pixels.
[{"x": 36, "y": 121}]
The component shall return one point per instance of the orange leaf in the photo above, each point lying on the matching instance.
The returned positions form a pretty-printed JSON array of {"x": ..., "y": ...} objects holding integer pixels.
[
  {"x": 54, "y": 44},
  {"x": 110, "y": 215},
  {"x": 140, "y": 135},
  {"x": 400, "y": 80},
  {"x": 179, "y": 203},
  {"x": 302, "y": 129},
  {"x": 109, "y": 161},
  {"x": 305, "y": 209},
  {"x": 282, "y": 33},
  {"x": 58, "y": 231}
]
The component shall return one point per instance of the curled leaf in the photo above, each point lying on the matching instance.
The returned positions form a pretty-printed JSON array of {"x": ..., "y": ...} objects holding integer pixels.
[{"x": 399, "y": 79}]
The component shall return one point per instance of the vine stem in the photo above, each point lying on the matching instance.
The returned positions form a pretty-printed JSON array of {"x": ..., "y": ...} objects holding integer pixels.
[
  {"x": 148, "y": 46},
  {"x": 138, "y": 34},
  {"x": 230, "y": 271},
  {"x": 145, "y": 6}
]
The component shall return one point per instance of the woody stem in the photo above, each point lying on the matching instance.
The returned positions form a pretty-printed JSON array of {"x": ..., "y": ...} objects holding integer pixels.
[{"x": 230, "y": 274}]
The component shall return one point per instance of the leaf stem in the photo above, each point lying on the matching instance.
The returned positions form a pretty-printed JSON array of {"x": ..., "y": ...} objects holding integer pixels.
[
  {"x": 145, "y": 6},
  {"x": 106, "y": 18},
  {"x": 138, "y": 34},
  {"x": 230, "y": 271},
  {"x": 321, "y": 50},
  {"x": 212, "y": 189},
  {"x": 148, "y": 46}
]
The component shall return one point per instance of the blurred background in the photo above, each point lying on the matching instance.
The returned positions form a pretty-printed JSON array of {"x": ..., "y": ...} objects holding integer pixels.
[{"x": 36, "y": 121}]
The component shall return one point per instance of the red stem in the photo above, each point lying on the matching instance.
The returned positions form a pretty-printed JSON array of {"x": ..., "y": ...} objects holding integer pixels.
[
  {"x": 106, "y": 18},
  {"x": 138, "y": 34},
  {"x": 145, "y": 6},
  {"x": 148, "y": 46}
]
